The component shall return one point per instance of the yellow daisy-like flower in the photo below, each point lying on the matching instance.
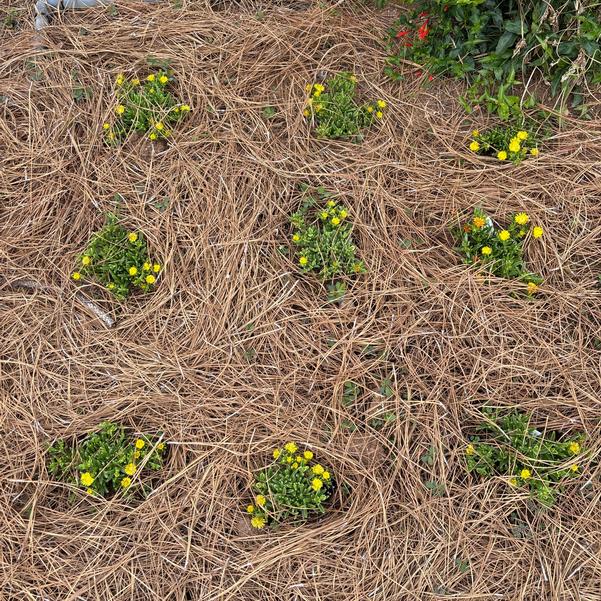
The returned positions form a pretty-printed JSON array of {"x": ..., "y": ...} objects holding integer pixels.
[
  {"x": 258, "y": 522},
  {"x": 291, "y": 447},
  {"x": 534, "y": 152},
  {"x": 140, "y": 444},
  {"x": 150, "y": 77},
  {"x": 513, "y": 482},
  {"x": 475, "y": 133},
  {"x": 289, "y": 459},
  {"x": 295, "y": 238},
  {"x": 514, "y": 145},
  {"x": 120, "y": 79},
  {"x": 504, "y": 235},
  {"x": 532, "y": 288},
  {"x": 379, "y": 114},
  {"x": 316, "y": 484},
  {"x": 502, "y": 155},
  {"x": 295, "y": 465},
  {"x": 87, "y": 479},
  {"x": 479, "y": 222},
  {"x": 353, "y": 79},
  {"x": 111, "y": 136},
  {"x": 308, "y": 87},
  {"x": 163, "y": 79},
  {"x": 250, "y": 509},
  {"x": 161, "y": 446},
  {"x": 133, "y": 271},
  {"x": 132, "y": 236},
  {"x": 276, "y": 453},
  {"x": 525, "y": 474},
  {"x": 130, "y": 469},
  {"x": 324, "y": 214},
  {"x": 575, "y": 467},
  {"x": 147, "y": 266},
  {"x": 86, "y": 260},
  {"x": 106, "y": 126},
  {"x": 537, "y": 231},
  {"x": 152, "y": 136},
  {"x": 260, "y": 500},
  {"x": 303, "y": 260},
  {"x": 90, "y": 491},
  {"x": 150, "y": 279},
  {"x": 318, "y": 469},
  {"x": 125, "y": 482},
  {"x": 382, "y": 104},
  {"x": 159, "y": 126},
  {"x": 306, "y": 113},
  {"x": 470, "y": 449},
  {"x": 326, "y": 475},
  {"x": 474, "y": 146},
  {"x": 319, "y": 87},
  {"x": 136, "y": 81},
  {"x": 335, "y": 220},
  {"x": 574, "y": 448},
  {"x": 120, "y": 109},
  {"x": 318, "y": 107},
  {"x": 76, "y": 275},
  {"x": 370, "y": 109},
  {"x": 343, "y": 214},
  {"x": 486, "y": 250},
  {"x": 137, "y": 455},
  {"x": 156, "y": 268},
  {"x": 186, "y": 108},
  {"x": 316, "y": 94},
  {"x": 111, "y": 286},
  {"x": 521, "y": 219},
  {"x": 308, "y": 455},
  {"x": 522, "y": 135}
]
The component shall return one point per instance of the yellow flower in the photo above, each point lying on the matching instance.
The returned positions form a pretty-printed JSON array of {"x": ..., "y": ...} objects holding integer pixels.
[
  {"x": 86, "y": 260},
  {"x": 513, "y": 482},
  {"x": 295, "y": 465},
  {"x": 132, "y": 236},
  {"x": 156, "y": 268},
  {"x": 289, "y": 459},
  {"x": 525, "y": 474},
  {"x": 343, "y": 214},
  {"x": 120, "y": 79},
  {"x": 185, "y": 108},
  {"x": 111, "y": 286},
  {"x": 574, "y": 448},
  {"x": 76, "y": 275},
  {"x": 370, "y": 109},
  {"x": 261, "y": 500},
  {"x": 537, "y": 231},
  {"x": 161, "y": 446},
  {"x": 521, "y": 219},
  {"x": 163, "y": 79},
  {"x": 150, "y": 77},
  {"x": 87, "y": 479},
  {"x": 152, "y": 136},
  {"x": 320, "y": 88},
  {"x": 353, "y": 79},
  {"x": 486, "y": 250},
  {"x": 291, "y": 447},
  {"x": 150, "y": 279},
  {"x": 522, "y": 135},
  {"x": 514, "y": 145},
  {"x": 382, "y": 104},
  {"x": 136, "y": 81},
  {"x": 140, "y": 443},
  {"x": 276, "y": 453},
  {"x": 120, "y": 109},
  {"x": 303, "y": 260},
  {"x": 295, "y": 238},
  {"x": 308, "y": 455},
  {"x": 106, "y": 126},
  {"x": 575, "y": 467},
  {"x": 306, "y": 113},
  {"x": 479, "y": 222},
  {"x": 111, "y": 136},
  {"x": 258, "y": 522},
  {"x": 532, "y": 288},
  {"x": 502, "y": 155},
  {"x": 90, "y": 491},
  {"x": 125, "y": 482},
  {"x": 316, "y": 484},
  {"x": 379, "y": 114},
  {"x": 318, "y": 469},
  {"x": 137, "y": 455},
  {"x": 147, "y": 266},
  {"x": 159, "y": 126},
  {"x": 250, "y": 509},
  {"x": 474, "y": 146},
  {"x": 534, "y": 152},
  {"x": 326, "y": 475},
  {"x": 470, "y": 449},
  {"x": 133, "y": 271},
  {"x": 130, "y": 469},
  {"x": 316, "y": 94},
  {"x": 475, "y": 133},
  {"x": 335, "y": 220},
  {"x": 357, "y": 267},
  {"x": 504, "y": 235},
  {"x": 298, "y": 458}
]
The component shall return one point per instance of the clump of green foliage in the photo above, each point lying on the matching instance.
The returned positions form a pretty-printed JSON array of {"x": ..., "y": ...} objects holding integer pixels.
[
  {"x": 504, "y": 143},
  {"x": 118, "y": 259},
  {"x": 322, "y": 237},
  {"x": 106, "y": 461},
  {"x": 291, "y": 488},
  {"x": 499, "y": 250},
  {"x": 332, "y": 108},
  {"x": 492, "y": 44},
  {"x": 146, "y": 107},
  {"x": 508, "y": 446}
]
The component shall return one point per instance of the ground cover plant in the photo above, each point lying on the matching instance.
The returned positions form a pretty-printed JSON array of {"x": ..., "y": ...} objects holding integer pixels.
[
  {"x": 295, "y": 486},
  {"x": 504, "y": 143},
  {"x": 105, "y": 461},
  {"x": 118, "y": 259},
  {"x": 507, "y": 445},
  {"x": 145, "y": 106}
]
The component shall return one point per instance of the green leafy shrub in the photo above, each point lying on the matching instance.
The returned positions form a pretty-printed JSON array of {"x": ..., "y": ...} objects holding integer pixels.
[
  {"x": 118, "y": 259},
  {"x": 334, "y": 111},
  {"x": 322, "y": 237},
  {"x": 146, "y": 107},
  {"x": 498, "y": 249},
  {"x": 508, "y": 446},
  {"x": 292, "y": 487},
  {"x": 504, "y": 143},
  {"x": 491, "y": 43},
  {"x": 106, "y": 461}
]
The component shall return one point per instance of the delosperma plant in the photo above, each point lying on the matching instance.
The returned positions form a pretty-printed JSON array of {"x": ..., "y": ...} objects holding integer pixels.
[
  {"x": 504, "y": 143},
  {"x": 293, "y": 487}
]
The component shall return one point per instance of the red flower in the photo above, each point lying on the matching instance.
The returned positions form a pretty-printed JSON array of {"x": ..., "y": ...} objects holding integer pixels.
[
  {"x": 403, "y": 33},
  {"x": 423, "y": 31},
  {"x": 418, "y": 74},
  {"x": 424, "y": 13},
  {"x": 430, "y": 77},
  {"x": 408, "y": 44}
]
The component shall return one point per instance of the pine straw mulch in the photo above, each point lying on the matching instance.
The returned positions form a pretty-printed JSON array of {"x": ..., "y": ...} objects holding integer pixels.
[{"x": 236, "y": 353}]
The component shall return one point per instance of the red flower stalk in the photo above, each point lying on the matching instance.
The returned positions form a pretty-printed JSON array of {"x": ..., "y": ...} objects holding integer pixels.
[
  {"x": 402, "y": 33},
  {"x": 423, "y": 31}
]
